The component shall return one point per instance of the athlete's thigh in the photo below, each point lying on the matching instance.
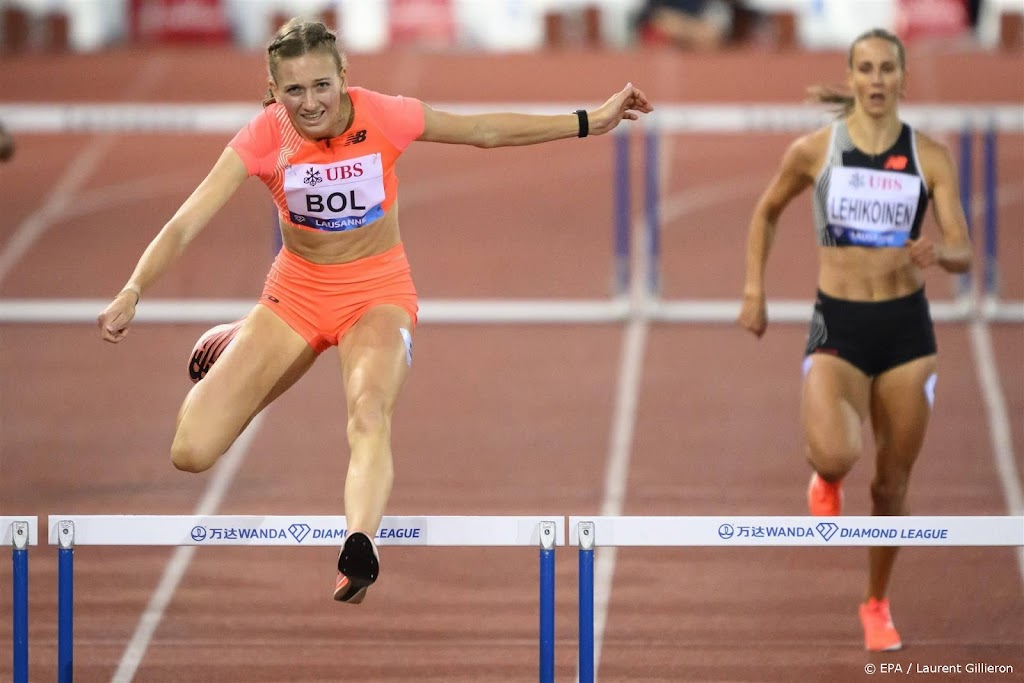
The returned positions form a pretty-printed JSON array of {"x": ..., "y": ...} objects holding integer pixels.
[
  {"x": 264, "y": 359},
  {"x": 376, "y": 354},
  {"x": 901, "y": 403},
  {"x": 834, "y": 401}
]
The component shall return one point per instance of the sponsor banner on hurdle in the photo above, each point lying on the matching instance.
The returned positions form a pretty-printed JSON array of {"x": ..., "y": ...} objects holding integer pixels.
[
  {"x": 8, "y": 529},
  {"x": 297, "y": 530},
  {"x": 798, "y": 531}
]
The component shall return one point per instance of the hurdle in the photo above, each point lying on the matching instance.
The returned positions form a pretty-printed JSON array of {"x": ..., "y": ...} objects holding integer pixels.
[
  {"x": 969, "y": 123},
  {"x": 70, "y": 531},
  {"x": 19, "y": 533},
  {"x": 587, "y": 533},
  {"x": 630, "y": 273}
]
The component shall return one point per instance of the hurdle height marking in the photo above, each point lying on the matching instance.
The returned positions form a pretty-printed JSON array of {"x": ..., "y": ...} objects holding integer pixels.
[{"x": 544, "y": 533}]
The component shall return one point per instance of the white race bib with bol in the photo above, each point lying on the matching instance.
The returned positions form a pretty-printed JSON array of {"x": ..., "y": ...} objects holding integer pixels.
[{"x": 339, "y": 196}]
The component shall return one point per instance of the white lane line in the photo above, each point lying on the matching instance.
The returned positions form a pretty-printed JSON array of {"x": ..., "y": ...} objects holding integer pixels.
[
  {"x": 627, "y": 396},
  {"x": 617, "y": 473},
  {"x": 223, "y": 474},
  {"x": 998, "y": 424}
]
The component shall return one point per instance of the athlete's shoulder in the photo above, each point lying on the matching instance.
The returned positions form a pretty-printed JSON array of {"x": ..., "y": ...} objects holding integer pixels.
[
  {"x": 258, "y": 141},
  {"x": 817, "y": 140},
  {"x": 378, "y": 100},
  {"x": 400, "y": 119},
  {"x": 928, "y": 143},
  {"x": 806, "y": 152},
  {"x": 935, "y": 155}
]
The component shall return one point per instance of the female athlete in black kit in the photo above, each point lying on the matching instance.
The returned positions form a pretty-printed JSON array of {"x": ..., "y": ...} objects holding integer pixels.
[{"x": 871, "y": 352}]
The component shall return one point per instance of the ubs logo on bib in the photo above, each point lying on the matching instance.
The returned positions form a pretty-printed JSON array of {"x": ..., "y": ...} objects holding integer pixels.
[{"x": 312, "y": 177}]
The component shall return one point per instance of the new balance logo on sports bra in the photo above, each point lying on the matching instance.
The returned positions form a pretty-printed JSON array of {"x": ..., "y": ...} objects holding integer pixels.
[
  {"x": 870, "y": 208},
  {"x": 339, "y": 196}
]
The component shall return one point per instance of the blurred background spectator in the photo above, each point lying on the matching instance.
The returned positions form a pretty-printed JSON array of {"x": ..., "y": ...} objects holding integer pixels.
[
  {"x": 509, "y": 25},
  {"x": 690, "y": 24}
]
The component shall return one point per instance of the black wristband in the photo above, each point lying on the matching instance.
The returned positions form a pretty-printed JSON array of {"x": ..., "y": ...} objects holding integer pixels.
[{"x": 581, "y": 114}]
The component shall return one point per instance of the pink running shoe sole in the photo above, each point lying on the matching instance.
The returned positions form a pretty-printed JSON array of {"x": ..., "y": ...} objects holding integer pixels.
[
  {"x": 824, "y": 499},
  {"x": 209, "y": 347}
]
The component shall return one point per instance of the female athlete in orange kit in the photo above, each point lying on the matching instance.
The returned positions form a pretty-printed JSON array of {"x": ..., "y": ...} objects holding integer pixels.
[{"x": 327, "y": 152}]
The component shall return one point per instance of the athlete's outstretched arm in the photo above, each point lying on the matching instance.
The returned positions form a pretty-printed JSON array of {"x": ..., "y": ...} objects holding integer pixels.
[
  {"x": 795, "y": 174},
  {"x": 954, "y": 253},
  {"x": 510, "y": 129},
  {"x": 188, "y": 221}
]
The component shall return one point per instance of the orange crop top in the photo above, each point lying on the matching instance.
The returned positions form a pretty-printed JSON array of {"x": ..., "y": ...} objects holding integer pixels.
[{"x": 336, "y": 184}]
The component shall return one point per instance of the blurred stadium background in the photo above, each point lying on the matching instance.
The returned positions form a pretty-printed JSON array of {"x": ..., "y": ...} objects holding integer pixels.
[{"x": 495, "y": 25}]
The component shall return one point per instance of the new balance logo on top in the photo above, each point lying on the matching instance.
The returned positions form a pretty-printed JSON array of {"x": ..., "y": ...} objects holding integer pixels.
[
  {"x": 355, "y": 138},
  {"x": 895, "y": 162}
]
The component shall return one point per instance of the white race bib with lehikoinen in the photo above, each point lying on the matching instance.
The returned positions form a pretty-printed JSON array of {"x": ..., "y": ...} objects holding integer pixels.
[
  {"x": 338, "y": 196},
  {"x": 871, "y": 208}
]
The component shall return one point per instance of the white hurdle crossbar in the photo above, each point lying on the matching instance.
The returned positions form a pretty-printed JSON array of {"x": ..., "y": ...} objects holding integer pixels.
[
  {"x": 68, "y": 531},
  {"x": 586, "y": 533}
]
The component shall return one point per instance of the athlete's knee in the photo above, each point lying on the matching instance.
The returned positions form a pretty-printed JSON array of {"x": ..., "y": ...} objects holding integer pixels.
[
  {"x": 368, "y": 416},
  {"x": 188, "y": 455},
  {"x": 889, "y": 493},
  {"x": 832, "y": 461}
]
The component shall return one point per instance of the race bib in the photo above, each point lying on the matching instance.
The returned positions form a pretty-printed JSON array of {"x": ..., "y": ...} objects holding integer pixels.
[
  {"x": 339, "y": 196},
  {"x": 870, "y": 208}
]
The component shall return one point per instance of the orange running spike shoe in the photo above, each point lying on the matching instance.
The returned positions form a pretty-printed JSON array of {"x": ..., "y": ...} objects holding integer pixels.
[
  {"x": 824, "y": 499},
  {"x": 209, "y": 347},
  {"x": 879, "y": 633},
  {"x": 358, "y": 567}
]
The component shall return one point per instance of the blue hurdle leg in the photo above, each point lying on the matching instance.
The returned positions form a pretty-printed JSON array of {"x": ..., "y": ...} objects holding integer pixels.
[
  {"x": 547, "y": 602},
  {"x": 966, "y": 196},
  {"x": 623, "y": 206},
  {"x": 547, "y": 616},
  {"x": 65, "y": 602},
  {"x": 586, "y": 599},
  {"x": 991, "y": 246},
  {"x": 20, "y": 576},
  {"x": 652, "y": 200}
]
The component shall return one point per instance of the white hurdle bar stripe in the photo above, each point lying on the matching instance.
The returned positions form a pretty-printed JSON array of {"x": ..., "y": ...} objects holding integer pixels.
[
  {"x": 226, "y": 118},
  {"x": 733, "y": 531},
  {"x": 495, "y": 311},
  {"x": 301, "y": 530},
  {"x": 586, "y": 533},
  {"x": 67, "y": 531},
  {"x": 18, "y": 533}
]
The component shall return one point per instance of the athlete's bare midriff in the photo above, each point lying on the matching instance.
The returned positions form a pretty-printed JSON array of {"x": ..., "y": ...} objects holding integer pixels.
[
  {"x": 344, "y": 246},
  {"x": 867, "y": 273}
]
